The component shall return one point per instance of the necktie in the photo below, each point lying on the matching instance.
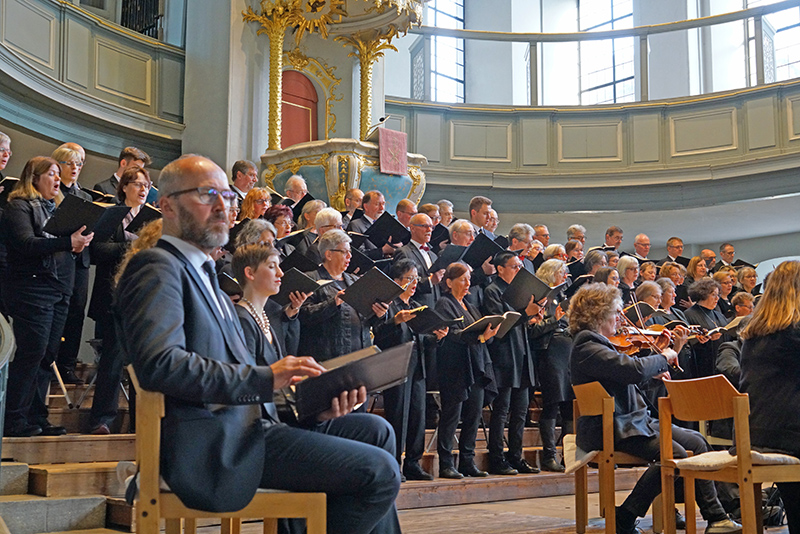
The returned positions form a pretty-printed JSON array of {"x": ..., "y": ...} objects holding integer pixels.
[
  {"x": 209, "y": 269},
  {"x": 426, "y": 248}
]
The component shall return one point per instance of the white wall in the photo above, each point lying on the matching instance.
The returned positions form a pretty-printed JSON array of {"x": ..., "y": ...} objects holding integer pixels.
[
  {"x": 397, "y": 76},
  {"x": 488, "y": 64},
  {"x": 560, "y": 61}
]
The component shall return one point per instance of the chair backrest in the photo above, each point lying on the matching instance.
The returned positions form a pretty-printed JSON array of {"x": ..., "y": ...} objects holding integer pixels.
[
  {"x": 590, "y": 398},
  {"x": 702, "y": 399}
]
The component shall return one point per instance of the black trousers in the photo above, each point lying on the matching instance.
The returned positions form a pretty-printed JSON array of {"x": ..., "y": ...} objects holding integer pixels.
[
  {"x": 109, "y": 373},
  {"x": 73, "y": 328},
  {"x": 790, "y": 493},
  {"x": 511, "y": 404},
  {"x": 470, "y": 413},
  {"x": 404, "y": 407},
  {"x": 649, "y": 485},
  {"x": 38, "y": 314}
]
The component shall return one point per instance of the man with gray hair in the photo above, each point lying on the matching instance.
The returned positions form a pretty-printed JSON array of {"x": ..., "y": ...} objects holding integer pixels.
[
  {"x": 352, "y": 202},
  {"x": 295, "y": 188},
  {"x": 542, "y": 234},
  {"x": 520, "y": 237},
  {"x": 244, "y": 176},
  {"x": 327, "y": 219},
  {"x": 445, "y": 211},
  {"x": 576, "y": 232}
]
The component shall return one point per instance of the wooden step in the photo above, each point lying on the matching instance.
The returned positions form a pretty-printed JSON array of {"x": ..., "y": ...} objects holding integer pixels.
[
  {"x": 28, "y": 514},
  {"x": 120, "y": 515},
  {"x": 530, "y": 437},
  {"x": 76, "y": 421},
  {"x": 70, "y": 448},
  {"x": 442, "y": 492},
  {"x": 13, "y": 478},
  {"x": 75, "y": 479},
  {"x": 89, "y": 531}
]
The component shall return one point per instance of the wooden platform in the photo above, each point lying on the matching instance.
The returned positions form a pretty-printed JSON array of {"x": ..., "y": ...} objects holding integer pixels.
[{"x": 70, "y": 448}]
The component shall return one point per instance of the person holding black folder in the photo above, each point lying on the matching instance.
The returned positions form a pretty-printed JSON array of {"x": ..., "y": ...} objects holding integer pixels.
[
  {"x": 373, "y": 204},
  {"x": 513, "y": 365},
  {"x": 404, "y": 405},
  {"x": 466, "y": 379},
  {"x": 331, "y": 327},
  {"x": 41, "y": 270},
  {"x": 132, "y": 190}
]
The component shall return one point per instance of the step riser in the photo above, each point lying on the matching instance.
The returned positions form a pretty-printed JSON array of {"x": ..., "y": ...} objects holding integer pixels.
[
  {"x": 66, "y": 449},
  {"x": 77, "y": 421},
  {"x": 35, "y": 516},
  {"x": 13, "y": 478},
  {"x": 101, "y": 481}
]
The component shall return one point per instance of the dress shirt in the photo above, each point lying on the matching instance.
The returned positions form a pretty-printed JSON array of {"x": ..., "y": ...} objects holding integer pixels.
[
  {"x": 196, "y": 259},
  {"x": 425, "y": 256}
]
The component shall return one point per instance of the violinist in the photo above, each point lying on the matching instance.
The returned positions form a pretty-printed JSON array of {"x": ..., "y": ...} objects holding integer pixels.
[{"x": 594, "y": 316}]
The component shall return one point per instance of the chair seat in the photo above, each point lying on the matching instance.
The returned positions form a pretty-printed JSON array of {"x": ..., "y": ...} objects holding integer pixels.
[
  {"x": 717, "y": 460},
  {"x": 267, "y": 503}
]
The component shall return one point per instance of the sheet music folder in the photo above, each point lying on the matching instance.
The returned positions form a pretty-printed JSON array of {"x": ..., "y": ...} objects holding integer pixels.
[
  {"x": 373, "y": 287},
  {"x": 526, "y": 285},
  {"x": 293, "y": 280},
  {"x": 372, "y": 368},
  {"x": 74, "y": 212},
  {"x": 426, "y": 320}
]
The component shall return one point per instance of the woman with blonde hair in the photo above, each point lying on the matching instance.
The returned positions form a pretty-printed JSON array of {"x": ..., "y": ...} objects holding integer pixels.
[
  {"x": 255, "y": 204},
  {"x": 696, "y": 270},
  {"x": 771, "y": 374},
  {"x": 40, "y": 270},
  {"x": 748, "y": 278}
]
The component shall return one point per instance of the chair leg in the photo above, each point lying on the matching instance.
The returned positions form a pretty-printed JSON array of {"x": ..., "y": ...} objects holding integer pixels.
[
  {"x": 581, "y": 499},
  {"x": 190, "y": 525},
  {"x": 271, "y": 526},
  {"x": 172, "y": 526},
  {"x": 759, "y": 507},
  {"x": 667, "y": 501},
  {"x": 607, "y": 497},
  {"x": 658, "y": 515},
  {"x": 691, "y": 508},
  {"x": 231, "y": 525},
  {"x": 747, "y": 502}
]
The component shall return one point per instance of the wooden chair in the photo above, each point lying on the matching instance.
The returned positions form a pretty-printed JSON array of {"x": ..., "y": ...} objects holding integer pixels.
[
  {"x": 155, "y": 504},
  {"x": 710, "y": 398},
  {"x": 592, "y": 399}
]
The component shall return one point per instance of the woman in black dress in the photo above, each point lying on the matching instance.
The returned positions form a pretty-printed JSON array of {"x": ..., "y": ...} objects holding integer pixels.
[
  {"x": 465, "y": 370},
  {"x": 705, "y": 294},
  {"x": 41, "y": 270}
]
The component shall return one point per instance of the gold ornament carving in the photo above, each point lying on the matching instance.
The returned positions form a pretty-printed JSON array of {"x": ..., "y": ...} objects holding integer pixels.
[
  {"x": 343, "y": 173},
  {"x": 369, "y": 46},
  {"x": 417, "y": 181},
  {"x": 315, "y": 16},
  {"x": 269, "y": 176}
]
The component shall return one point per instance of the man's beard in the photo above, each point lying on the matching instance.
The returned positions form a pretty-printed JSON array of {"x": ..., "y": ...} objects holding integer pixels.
[{"x": 202, "y": 235}]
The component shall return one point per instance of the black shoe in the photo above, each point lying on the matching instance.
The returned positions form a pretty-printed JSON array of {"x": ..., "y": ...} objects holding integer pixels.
[
  {"x": 680, "y": 521},
  {"x": 68, "y": 376},
  {"x": 403, "y": 478},
  {"x": 523, "y": 467},
  {"x": 49, "y": 429},
  {"x": 22, "y": 431},
  {"x": 626, "y": 522},
  {"x": 449, "y": 472},
  {"x": 550, "y": 464},
  {"x": 470, "y": 470},
  {"x": 413, "y": 471},
  {"x": 502, "y": 469}
]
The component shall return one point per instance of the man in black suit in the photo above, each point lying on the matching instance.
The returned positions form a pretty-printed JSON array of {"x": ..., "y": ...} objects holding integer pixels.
[
  {"x": 129, "y": 156},
  {"x": 479, "y": 208},
  {"x": 417, "y": 251},
  {"x": 221, "y": 438},
  {"x": 675, "y": 252},
  {"x": 352, "y": 202},
  {"x": 520, "y": 237},
  {"x": 373, "y": 204},
  {"x": 244, "y": 176},
  {"x": 726, "y": 253}
]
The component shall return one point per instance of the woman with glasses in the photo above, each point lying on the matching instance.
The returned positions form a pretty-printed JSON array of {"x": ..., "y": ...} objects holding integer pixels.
[
  {"x": 281, "y": 217},
  {"x": 696, "y": 270},
  {"x": 705, "y": 294},
  {"x": 255, "y": 204},
  {"x": 330, "y": 327},
  {"x": 40, "y": 270},
  {"x": 132, "y": 190},
  {"x": 748, "y": 279},
  {"x": 327, "y": 219},
  {"x": 628, "y": 269},
  {"x": 725, "y": 281}
]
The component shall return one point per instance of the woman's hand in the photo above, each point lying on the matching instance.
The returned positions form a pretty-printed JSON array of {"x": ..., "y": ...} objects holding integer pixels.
[
  {"x": 680, "y": 335},
  {"x": 403, "y": 316},
  {"x": 560, "y": 313},
  {"x": 344, "y": 403},
  {"x": 490, "y": 332},
  {"x": 533, "y": 308},
  {"x": 291, "y": 370},
  {"x": 80, "y": 241},
  {"x": 664, "y": 339},
  {"x": 296, "y": 299},
  {"x": 380, "y": 309},
  {"x": 441, "y": 333},
  {"x": 338, "y": 298}
]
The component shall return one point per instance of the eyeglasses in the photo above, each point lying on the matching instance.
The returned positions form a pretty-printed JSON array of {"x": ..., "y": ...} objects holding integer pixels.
[
  {"x": 140, "y": 185},
  {"x": 337, "y": 226},
  {"x": 426, "y": 226},
  {"x": 78, "y": 164},
  {"x": 209, "y": 195},
  {"x": 410, "y": 279},
  {"x": 515, "y": 267},
  {"x": 261, "y": 201},
  {"x": 345, "y": 252},
  {"x": 6, "y": 151}
]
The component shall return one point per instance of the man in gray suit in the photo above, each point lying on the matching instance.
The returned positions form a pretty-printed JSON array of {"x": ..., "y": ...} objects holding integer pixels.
[{"x": 221, "y": 438}]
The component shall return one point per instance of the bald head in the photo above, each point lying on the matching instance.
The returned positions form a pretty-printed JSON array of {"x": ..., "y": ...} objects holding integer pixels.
[
  {"x": 641, "y": 243},
  {"x": 421, "y": 228}
]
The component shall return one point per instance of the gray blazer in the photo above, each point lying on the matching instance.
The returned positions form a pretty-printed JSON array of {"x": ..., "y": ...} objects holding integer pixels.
[{"x": 212, "y": 441}]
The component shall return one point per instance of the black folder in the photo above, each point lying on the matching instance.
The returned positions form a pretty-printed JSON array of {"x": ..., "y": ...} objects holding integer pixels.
[
  {"x": 297, "y": 208},
  {"x": 356, "y": 239},
  {"x": 373, "y": 287},
  {"x": 480, "y": 250},
  {"x": 74, "y": 212},
  {"x": 299, "y": 261},
  {"x": 97, "y": 196},
  {"x": 230, "y": 246},
  {"x": 276, "y": 199},
  {"x": 8, "y": 184},
  {"x": 603, "y": 248},
  {"x": 526, "y": 285},
  {"x": 738, "y": 264},
  {"x": 387, "y": 226},
  {"x": 450, "y": 254},
  {"x": 506, "y": 322},
  {"x": 357, "y": 214},
  {"x": 645, "y": 309},
  {"x": 372, "y": 368},
  {"x": 576, "y": 269},
  {"x": 293, "y": 238},
  {"x": 503, "y": 241},
  {"x": 360, "y": 263},
  {"x": 293, "y": 280},
  {"x": 229, "y": 285},
  {"x": 683, "y": 260},
  {"x": 426, "y": 320},
  {"x": 577, "y": 284},
  {"x": 147, "y": 214},
  {"x": 439, "y": 234}
]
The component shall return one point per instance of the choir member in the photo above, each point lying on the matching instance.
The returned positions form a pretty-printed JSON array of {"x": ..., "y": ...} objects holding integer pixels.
[
  {"x": 594, "y": 260},
  {"x": 705, "y": 294},
  {"x": 128, "y": 156},
  {"x": 555, "y": 251},
  {"x": 647, "y": 272},
  {"x": 695, "y": 270},
  {"x": 613, "y": 258},
  {"x": 445, "y": 211},
  {"x": 479, "y": 208},
  {"x": 542, "y": 235},
  {"x": 492, "y": 221},
  {"x": 295, "y": 188},
  {"x": 628, "y": 269},
  {"x": 641, "y": 247},
  {"x": 726, "y": 254},
  {"x": 5, "y": 156},
  {"x": 465, "y": 370},
  {"x": 307, "y": 222},
  {"x": 244, "y": 176},
  {"x": 574, "y": 250},
  {"x": 613, "y": 237},
  {"x": 725, "y": 281},
  {"x": 743, "y": 303},
  {"x": 748, "y": 279},
  {"x": 374, "y": 204},
  {"x": 710, "y": 258},
  {"x": 255, "y": 203},
  {"x": 352, "y": 202},
  {"x": 607, "y": 275},
  {"x": 520, "y": 237},
  {"x": 576, "y": 232},
  {"x": 404, "y": 211},
  {"x": 674, "y": 249},
  {"x": 41, "y": 270}
]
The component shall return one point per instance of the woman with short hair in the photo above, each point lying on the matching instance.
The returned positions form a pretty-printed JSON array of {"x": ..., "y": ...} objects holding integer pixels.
[
  {"x": 704, "y": 313},
  {"x": 628, "y": 269}
]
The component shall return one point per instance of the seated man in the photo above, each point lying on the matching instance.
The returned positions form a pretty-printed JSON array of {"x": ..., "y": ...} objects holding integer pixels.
[{"x": 221, "y": 439}]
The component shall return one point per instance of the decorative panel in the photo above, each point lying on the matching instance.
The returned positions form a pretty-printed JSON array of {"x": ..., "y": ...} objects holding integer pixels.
[
  {"x": 703, "y": 132},
  {"x": 427, "y": 136},
  {"x": 480, "y": 141},
  {"x": 760, "y": 122},
  {"x": 793, "y": 116},
  {"x": 396, "y": 122},
  {"x": 123, "y": 72},
  {"x": 79, "y": 50},
  {"x": 31, "y": 31},
  {"x": 645, "y": 137},
  {"x": 534, "y": 141},
  {"x": 172, "y": 87},
  {"x": 589, "y": 141}
]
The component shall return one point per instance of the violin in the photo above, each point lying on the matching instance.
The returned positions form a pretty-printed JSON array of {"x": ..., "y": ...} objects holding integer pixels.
[{"x": 630, "y": 340}]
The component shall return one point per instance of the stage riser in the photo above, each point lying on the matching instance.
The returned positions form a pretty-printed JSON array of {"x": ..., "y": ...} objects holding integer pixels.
[
  {"x": 65, "y": 480},
  {"x": 70, "y": 449},
  {"x": 13, "y": 478}
]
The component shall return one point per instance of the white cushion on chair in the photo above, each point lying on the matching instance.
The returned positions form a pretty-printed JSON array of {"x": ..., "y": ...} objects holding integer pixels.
[
  {"x": 574, "y": 456},
  {"x": 714, "y": 460}
]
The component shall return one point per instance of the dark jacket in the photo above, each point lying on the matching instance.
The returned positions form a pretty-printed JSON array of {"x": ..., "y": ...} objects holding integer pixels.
[
  {"x": 511, "y": 357},
  {"x": 426, "y": 293},
  {"x": 594, "y": 359},
  {"x": 706, "y": 353},
  {"x": 771, "y": 376},
  {"x": 388, "y": 334},
  {"x": 106, "y": 255}
]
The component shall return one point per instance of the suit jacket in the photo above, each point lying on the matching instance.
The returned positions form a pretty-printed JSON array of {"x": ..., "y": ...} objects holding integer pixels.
[
  {"x": 427, "y": 294},
  {"x": 108, "y": 187},
  {"x": 361, "y": 225},
  {"x": 212, "y": 440},
  {"x": 106, "y": 255},
  {"x": 594, "y": 359}
]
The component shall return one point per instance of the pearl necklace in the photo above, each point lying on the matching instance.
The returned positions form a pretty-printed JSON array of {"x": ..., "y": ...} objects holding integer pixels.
[{"x": 261, "y": 318}]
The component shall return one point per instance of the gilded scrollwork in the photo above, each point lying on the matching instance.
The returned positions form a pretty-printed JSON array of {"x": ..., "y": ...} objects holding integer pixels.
[
  {"x": 324, "y": 75},
  {"x": 417, "y": 182}
]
